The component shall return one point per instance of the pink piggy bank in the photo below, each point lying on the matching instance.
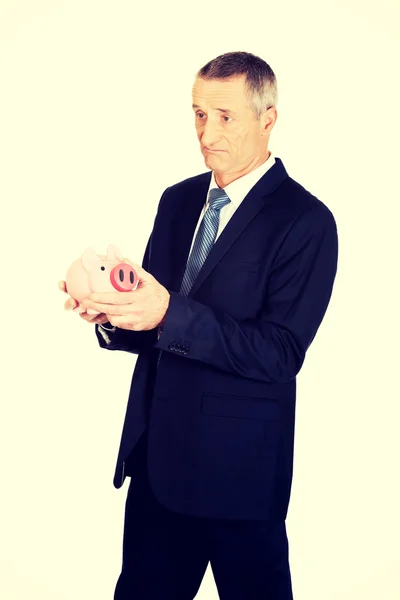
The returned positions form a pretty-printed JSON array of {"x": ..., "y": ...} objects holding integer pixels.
[{"x": 98, "y": 273}]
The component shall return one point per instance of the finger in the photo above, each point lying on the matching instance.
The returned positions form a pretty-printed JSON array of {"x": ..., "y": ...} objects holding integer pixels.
[
  {"x": 94, "y": 318},
  {"x": 101, "y": 319},
  {"x": 130, "y": 322},
  {"x": 70, "y": 304},
  {"x": 112, "y": 298},
  {"x": 142, "y": 274},
  {"x": 62, "y": 285},
  {"x": 112, "y": 309}
]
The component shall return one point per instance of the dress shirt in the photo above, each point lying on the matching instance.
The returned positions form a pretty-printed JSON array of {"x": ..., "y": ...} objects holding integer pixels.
[{"x": 237, "y": 191}]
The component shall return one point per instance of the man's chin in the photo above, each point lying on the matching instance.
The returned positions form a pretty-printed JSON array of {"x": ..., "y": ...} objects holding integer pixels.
[{"x": 214, "y": 158}]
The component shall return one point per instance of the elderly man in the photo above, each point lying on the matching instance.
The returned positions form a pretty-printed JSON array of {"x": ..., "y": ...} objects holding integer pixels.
[{"x": 236, "y": 279}]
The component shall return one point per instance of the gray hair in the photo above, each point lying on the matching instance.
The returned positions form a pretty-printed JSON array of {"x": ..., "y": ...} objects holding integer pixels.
[{"x": 260, "y": 79}]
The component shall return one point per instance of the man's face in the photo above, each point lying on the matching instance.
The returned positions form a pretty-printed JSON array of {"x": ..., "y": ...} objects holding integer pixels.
[{"x": 232, "y": 141}]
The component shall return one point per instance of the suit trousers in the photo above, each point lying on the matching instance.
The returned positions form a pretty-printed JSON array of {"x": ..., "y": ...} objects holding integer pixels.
[{"x": 165, "y": 554}]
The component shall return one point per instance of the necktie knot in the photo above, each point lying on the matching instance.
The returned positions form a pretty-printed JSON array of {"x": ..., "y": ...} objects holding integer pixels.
[{"x": 217, "y": 198}]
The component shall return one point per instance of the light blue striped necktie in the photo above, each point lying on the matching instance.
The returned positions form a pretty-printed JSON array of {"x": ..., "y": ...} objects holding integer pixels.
[{"x": 205, "y": 238}]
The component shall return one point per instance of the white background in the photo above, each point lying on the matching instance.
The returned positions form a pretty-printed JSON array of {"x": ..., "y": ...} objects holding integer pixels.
[{"x": 95, "y": 122}]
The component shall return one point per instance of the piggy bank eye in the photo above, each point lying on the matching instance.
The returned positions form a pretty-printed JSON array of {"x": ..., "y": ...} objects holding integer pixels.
[{"x": 103, "y": 268}]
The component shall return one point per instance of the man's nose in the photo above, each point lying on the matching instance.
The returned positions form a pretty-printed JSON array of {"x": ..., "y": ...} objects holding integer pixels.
[{"x": 211, "y": 134}]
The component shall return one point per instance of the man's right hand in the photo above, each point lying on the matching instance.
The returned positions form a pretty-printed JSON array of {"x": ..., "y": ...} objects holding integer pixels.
[{"x": 71, "y": 303}]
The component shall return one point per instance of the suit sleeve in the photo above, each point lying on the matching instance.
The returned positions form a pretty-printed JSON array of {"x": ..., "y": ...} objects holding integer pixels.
[
  {"x": 122, "y": 339},
  {"x": 272, "y": 347}
]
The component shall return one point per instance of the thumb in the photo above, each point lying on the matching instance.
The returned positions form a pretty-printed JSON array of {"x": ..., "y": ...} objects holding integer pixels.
[{"x": 143, "y": 275}]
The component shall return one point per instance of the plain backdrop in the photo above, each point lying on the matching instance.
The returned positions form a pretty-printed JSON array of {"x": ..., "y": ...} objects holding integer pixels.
[{"x": 95, "y": 123}]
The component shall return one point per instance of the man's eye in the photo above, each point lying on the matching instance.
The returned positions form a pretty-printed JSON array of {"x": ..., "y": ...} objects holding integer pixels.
[{"x": 226, "y": 118}]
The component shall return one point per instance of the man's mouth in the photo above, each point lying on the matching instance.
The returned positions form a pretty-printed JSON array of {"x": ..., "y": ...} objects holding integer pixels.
[{"x": 210, "y": 150}]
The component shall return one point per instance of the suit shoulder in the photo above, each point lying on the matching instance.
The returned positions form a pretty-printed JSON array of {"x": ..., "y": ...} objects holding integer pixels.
[
  {"x": 302, "y": 201},
  {"x": 189, "y": 182}
]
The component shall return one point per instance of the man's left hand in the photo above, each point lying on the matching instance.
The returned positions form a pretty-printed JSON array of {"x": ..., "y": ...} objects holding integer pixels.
[{"x": 139, "y": 310}]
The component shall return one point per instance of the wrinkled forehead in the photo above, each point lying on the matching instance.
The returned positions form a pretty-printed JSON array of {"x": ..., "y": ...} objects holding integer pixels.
[{"x": 229, "y": 94}]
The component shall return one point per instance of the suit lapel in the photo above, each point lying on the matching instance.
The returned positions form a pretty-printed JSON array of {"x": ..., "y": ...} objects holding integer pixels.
[
  {"x": 246, "y": 212},
  {"x": 185, "y": 225}
]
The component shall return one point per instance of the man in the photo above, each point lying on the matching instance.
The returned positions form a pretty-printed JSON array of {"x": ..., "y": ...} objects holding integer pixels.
[{"x": 236, "y": 279}]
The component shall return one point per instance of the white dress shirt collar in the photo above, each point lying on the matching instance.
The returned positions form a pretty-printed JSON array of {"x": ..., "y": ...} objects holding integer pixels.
[{"x": 238, "y": 189}]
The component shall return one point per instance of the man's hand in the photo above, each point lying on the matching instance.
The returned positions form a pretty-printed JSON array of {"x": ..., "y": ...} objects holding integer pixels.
[
  {"x": 140, "y": 310},
  {"x": 71, "y": 303}
]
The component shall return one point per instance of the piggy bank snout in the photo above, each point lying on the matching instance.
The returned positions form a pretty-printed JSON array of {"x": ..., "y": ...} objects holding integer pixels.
[{"x": 123, "y": 277}]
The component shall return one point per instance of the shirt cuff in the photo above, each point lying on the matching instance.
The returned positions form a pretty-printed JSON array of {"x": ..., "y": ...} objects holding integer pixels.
[
  {"x": 104, "y": 331},
  {"x": 111, "y": 328}
]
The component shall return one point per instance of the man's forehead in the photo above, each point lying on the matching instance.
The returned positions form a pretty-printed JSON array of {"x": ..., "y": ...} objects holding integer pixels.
[{"x": 227, "y": 93}]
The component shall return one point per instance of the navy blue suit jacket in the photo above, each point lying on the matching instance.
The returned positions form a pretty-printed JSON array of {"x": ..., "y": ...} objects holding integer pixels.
[{"x": 220, "y": 408}]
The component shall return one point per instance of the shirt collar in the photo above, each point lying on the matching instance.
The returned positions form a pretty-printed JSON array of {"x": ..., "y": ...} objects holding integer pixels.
[{"x": 238, "y": 189}]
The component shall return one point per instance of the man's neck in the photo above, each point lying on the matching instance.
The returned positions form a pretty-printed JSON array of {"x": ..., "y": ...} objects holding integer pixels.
[{"x": 224, "y": 179}]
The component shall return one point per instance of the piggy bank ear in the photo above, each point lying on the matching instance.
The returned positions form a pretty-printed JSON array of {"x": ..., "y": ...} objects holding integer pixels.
[
  {"x": 89, "y": 259},
  {"x": 113, "y": 253}
]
